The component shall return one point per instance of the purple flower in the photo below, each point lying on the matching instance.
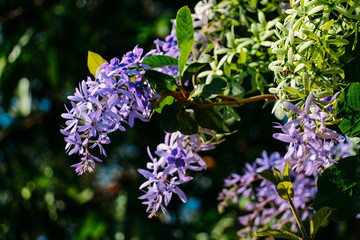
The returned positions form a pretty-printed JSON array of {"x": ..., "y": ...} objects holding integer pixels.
[
  {"x": 311, "y": 143},
  {"x": 168, "y": 47},
  {"x": 176, "y": 155},
  {"x": 86, "y": 165},
  {"x": 266, "y": 206},
  {"x": 118, "y": 95},
  {"x": 177, "y": 158}
]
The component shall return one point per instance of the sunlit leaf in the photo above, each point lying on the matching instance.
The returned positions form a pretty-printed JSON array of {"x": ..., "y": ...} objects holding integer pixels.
[
  {"x": 168, "y": 100},
  {"x": 286, "y": 172},
  {"x": 94, "y": 61},
  {"x": 184, "y": 35},
  {"x": 285, "y": 190},
  {"x": 277, "y": 175}
]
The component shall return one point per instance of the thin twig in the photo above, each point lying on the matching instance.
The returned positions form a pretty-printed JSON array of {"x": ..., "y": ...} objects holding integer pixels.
[{"x": 235, "y": 101}]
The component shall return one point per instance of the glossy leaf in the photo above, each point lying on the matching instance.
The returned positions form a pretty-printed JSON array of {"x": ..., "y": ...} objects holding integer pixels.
[
  {"x": 168, "y": 100},
  {"x": 285, "y": 190},
  {"x": 339, "y": 189},
  {"x": 215, "y": 88},
  {"x": 168, "y": 119},
  {"x": 286, "y": 172},
  {"x": 195, "y": 67},
  {"x": 188, "y": 125},
  {"x": 318, "y": 218},
  {"x": 277, "y": 175},
  {"x": 185, "y": 35},
  {"x": 352, "y": 96},
  {"x": 348, "y": 110},
  {"x": 268, "y": 176},
  {"x": 160, "y": 81},
  {"x": 175, "y": 117},
  {"x": 157, "y": 61},
  {"x": 209, "y": 118}
]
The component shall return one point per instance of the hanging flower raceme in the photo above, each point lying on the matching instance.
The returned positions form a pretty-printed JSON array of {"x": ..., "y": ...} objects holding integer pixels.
[
  {"x": 311, "y": 143},
  {"x": 177, "y": 155},
  {"x": 118, "y": 95},
  {"x": 266, "y": 206}
]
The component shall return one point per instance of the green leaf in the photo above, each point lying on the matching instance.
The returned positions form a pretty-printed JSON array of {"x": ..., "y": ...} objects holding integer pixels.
[
  {"x": 352, "y": 96},
  {"x": 193, "y": 68},
  {"x": 347, "y": 108},
  {"x": 157, "y": 61},
  {"x": 316, "y": 10},
  {"x": 198, "y": 89},
  {"x": 185, "y": 35},
  {"x": 208, "y": 48},
  {"x": 285, "y": 190},
  {"x": 94, "y": 61},
  {"x": 277, "y": 175},
  {"x": 174, "y": 118},
  {"x": 209, "y": 118},
  {"x": 163, "y": 101},
  {"x": 268, "y": 176},
  {"x": 339, "y": 189},
  {"x": 286, "y": 172},
  {"x": 160, "y": 81},
  {"x": 168, "y": 118},
  {"x": 205, "y": 58},
  {"x": 188, "y": 125},
  {"x": 294, "y": 91},
  {"x": 310, "y": 34},
  {"x": 216, "y": 87},
  {"x": 279, "y": 233},
  {"x": 318, "y": 218}
]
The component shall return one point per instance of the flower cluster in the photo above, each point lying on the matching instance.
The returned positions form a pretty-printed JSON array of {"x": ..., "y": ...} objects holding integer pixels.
[
  {"x": 266, "y": 206},
  {"x": 118, "y": 95},
  {"x": 177, "y": 154},
  {"x": 311, "y": 143}
]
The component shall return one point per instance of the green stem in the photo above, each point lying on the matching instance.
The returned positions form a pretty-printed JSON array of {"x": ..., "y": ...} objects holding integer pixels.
[{"x": 297, "y": 217}]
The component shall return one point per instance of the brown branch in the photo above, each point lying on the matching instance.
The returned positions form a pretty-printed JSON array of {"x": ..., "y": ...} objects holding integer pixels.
[
  {"x": 235, "y": 101},
  {"x": 180, "y": 97}
]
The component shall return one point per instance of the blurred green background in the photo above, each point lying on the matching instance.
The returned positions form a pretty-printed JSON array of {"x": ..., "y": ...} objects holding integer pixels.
[{"x": 43, "y": 53}]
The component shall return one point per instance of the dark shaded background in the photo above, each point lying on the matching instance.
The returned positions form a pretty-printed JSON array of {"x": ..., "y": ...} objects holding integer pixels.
[{"x": 43, "y": 52}]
